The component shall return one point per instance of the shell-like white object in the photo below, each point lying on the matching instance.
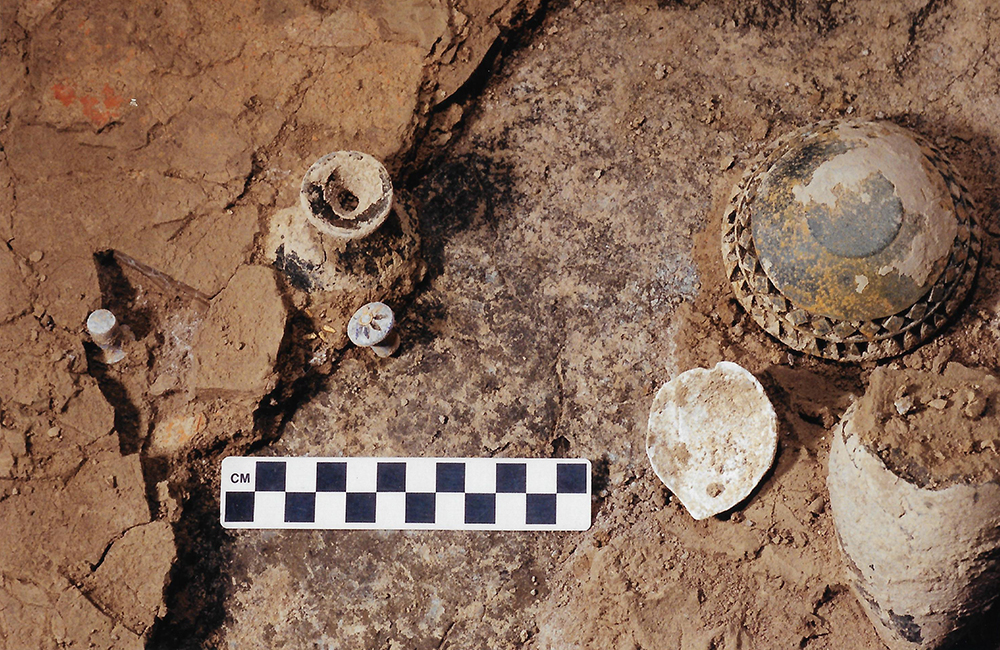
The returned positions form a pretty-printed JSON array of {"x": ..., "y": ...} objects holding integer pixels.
[
  {"x": 712, "y": 436},
  {"x": 370, "y": 325}
]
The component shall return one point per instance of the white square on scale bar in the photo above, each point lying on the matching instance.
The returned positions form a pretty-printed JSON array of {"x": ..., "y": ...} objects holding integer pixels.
[
  {"x": 269, "y": 510},
  {"x": 480, "y": 475},
  {"x": 300, "y": 475},
  {"x": 541, "y": 477},
  {"x": 511, "y": 511},
  {"x": 421, "y": 474},
  {"x": 331, "y": 509},
  {"x": 573, "y": 511},
  {"x": 362, "y": 474},
  {"x": 239, "y": 474},
  {"x": 450, "y": 510},
  {"x": 390, "y": 510}
]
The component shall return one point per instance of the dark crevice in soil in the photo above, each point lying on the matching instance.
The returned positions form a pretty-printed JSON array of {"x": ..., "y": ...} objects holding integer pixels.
[
  {"x": 119, "y": 295},
  {"x": 467, "y": 191},
  {"x": 256, "y": 167},
  {"x": 560, "y": 447},
  {"x": 300, "y": 382},
  {"x": 922, "y": 15},
  {"x": 197, "y": 590},
  {"x": 416, "y": 162},
  {"x": 601, "y": 479},
  {"x": 128, "y": 419}
]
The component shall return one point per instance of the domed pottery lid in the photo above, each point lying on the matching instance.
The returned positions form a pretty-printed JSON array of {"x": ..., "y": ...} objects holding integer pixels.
[{"x": 850, "y": 240}]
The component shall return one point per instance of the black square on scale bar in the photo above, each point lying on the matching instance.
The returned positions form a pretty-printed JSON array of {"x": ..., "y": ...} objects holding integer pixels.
[
  {"x": 270, "y": 476},
  {"x": 480, "y": 508},
  {"x": 512, "y": 477},
  {"x": 300, "y": 507},
  {"x": 390, "y": 477},
  {"x": 239, "y": 506},
  {"x": 540, "y": 509},
  {"x": 450, "y": 477},
  {"x": 331, "y": 477},
  {"x": 420, "y": 507},
  {"x": 571, "y": 478},
  {"x": 360, "y": 508}
]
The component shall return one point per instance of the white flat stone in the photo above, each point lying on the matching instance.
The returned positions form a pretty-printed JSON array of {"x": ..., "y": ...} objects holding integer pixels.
[{"x": 711, "y": 437}]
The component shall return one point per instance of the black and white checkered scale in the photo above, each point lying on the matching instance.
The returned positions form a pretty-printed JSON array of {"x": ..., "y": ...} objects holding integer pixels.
[{"x": 406, "y": 493}]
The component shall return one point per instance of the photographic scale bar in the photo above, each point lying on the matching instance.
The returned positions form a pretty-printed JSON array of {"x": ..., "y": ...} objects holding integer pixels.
[{"x": 406, "y": 493}]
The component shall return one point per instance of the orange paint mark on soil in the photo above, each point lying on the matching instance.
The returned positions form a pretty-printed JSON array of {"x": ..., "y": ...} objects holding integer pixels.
[
  {"x": 111, "y": 100},
  {"x": 99, "y": 110},
  {"x": 91, "y": 112},
  {"x": 64, "y": 93}
]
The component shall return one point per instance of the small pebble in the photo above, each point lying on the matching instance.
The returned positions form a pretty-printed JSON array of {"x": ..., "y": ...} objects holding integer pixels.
[
  {"x": 938, "y": 404},
  {"x": 904, "y": 404},
  {"x": 36, "y": 257},
  {"x": 163, "y": 384},
  {"x": 53, "y": 432},
  {"x": 975, "y": 406},
  {"x": 759, "y": 128}
]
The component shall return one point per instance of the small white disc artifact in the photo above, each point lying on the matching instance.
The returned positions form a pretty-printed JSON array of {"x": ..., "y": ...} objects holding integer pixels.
[
  {"x": 372, "y": 327},
  {"x": 106, "y": 333},
  {"x": 712, "y": 436}
]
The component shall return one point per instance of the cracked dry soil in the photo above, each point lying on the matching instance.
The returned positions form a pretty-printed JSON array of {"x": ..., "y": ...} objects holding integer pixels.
[{"x": 567, "y": 165}]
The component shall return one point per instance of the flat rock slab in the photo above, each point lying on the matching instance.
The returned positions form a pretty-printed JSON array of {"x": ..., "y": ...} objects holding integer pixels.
[
  {"x": 712, "y": 435},
  {"x": 237, "y": 345}
]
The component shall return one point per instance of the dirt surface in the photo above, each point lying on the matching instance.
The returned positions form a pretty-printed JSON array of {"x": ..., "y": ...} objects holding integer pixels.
[
  {"x": 168, "y": 133},
  {"x": 563, "y": 171},
  {"x": 933, "y": 429}
]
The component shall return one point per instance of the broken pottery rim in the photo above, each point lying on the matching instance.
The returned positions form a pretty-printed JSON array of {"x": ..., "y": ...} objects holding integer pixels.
[{"x": 342, "y": 223}]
